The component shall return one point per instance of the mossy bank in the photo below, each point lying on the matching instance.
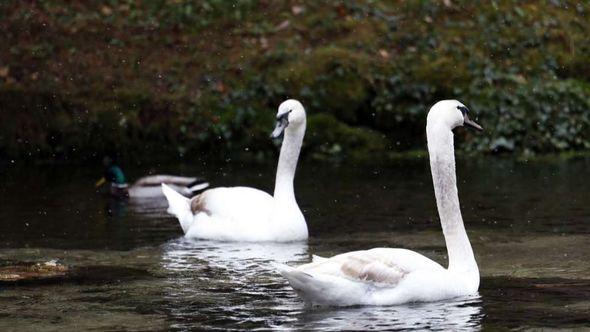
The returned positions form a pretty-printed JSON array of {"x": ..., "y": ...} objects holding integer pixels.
[{"x": 181, "y": 78}]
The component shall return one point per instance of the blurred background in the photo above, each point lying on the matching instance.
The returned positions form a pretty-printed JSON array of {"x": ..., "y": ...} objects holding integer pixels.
[{"x": 170, "y": 79}]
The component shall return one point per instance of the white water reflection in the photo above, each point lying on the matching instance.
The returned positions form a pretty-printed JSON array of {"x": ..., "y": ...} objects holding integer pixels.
[
  {"x": 233, "y": 285},
  {"x": 182, "y": 254},
  {"x": 227, "y": 284},
  {"x": 463, "y": 314}
]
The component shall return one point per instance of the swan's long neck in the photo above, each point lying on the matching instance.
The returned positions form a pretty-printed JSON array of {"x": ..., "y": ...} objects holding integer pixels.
[
  {"x": 288, "y": 163},
  {"x": 442, "y": 165}
]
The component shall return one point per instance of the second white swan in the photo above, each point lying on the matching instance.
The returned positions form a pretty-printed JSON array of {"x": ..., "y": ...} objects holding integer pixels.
[
  {"x": 248, "y": 214},
  {"x": 385, "y": 276}
]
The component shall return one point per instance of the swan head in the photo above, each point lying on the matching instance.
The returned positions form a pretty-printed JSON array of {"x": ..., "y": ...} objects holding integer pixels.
[
  {"x": 291, "y": 114},
  {"x": 451, "y": 113}
]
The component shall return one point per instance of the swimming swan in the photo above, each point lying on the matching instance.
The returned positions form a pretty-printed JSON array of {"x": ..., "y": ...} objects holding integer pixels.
[
  {"x": 248, "y": 214},
  {"x": 384, "y": 276}
]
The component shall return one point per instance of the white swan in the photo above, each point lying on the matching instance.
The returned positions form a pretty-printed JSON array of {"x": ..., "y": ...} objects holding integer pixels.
[
  {"x": 385, "y": 276},
  {"x": 248, "y": 214}
]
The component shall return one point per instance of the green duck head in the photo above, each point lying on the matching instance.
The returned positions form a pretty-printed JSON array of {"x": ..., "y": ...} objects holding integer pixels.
[{"x": 112, "y": 173}]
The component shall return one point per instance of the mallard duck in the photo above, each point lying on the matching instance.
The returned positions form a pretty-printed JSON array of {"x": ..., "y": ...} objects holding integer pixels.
[{"x": 148, "y": 186}]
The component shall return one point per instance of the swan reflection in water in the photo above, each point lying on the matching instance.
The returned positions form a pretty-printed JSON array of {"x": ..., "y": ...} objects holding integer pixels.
[
  {"x": 238, "y": 257},
  {"x": 211, "y": 284},
  {"x": 234, "y": 285},
  {"x": 461, "y": 314}
]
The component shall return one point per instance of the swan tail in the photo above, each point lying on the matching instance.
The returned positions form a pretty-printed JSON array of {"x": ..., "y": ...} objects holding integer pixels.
[
  {"x": 178, "y": 206},
  {"x": 322, "y": 289}
]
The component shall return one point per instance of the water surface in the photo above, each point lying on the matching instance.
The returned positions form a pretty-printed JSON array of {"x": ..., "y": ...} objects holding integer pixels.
[{"x": 528, "y": 223}]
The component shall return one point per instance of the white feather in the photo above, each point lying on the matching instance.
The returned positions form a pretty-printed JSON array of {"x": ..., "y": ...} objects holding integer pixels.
[{"x": 179, "y": 206}]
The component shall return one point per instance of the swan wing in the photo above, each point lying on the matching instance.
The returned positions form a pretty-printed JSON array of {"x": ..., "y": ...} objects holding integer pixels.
[
  {"x": 233, "y": 203},
  {"x": 351, "y": 278},
  {"x": 316, "y": 258},
  {"x": 378, "y": 265},
  {"x": 372, "y": 270}
]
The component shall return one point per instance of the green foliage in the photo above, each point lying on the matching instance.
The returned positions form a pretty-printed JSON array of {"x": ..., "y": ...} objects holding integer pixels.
[
  {"x": 541, "y": 116},
  {"x": 177, "y": 77},
  {"x": 331, "y": 79},
  {"x": 330, "y": 139}
]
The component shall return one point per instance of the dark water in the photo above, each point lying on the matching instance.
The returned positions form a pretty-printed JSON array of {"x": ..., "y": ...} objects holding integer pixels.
[{"x": 529, "y": 224}]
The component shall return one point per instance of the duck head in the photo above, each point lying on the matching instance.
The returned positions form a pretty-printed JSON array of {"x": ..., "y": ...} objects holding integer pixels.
[{"x": 112, "y": 173}]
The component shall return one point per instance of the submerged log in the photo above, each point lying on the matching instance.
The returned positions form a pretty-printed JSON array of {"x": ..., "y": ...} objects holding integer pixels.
[{"x": 18, "y": 272}]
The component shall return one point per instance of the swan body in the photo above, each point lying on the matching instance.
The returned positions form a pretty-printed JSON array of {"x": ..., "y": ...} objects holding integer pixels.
[
  {"x": 249, "y": 214},
  {"x": 384, "y": 276}
]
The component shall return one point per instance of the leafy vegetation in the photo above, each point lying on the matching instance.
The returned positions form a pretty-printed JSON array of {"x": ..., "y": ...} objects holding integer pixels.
[{"x": 172, "y": 77}]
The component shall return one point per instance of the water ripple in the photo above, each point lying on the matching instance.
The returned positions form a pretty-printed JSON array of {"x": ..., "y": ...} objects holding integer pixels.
[{"x": 233, "y": 285}]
